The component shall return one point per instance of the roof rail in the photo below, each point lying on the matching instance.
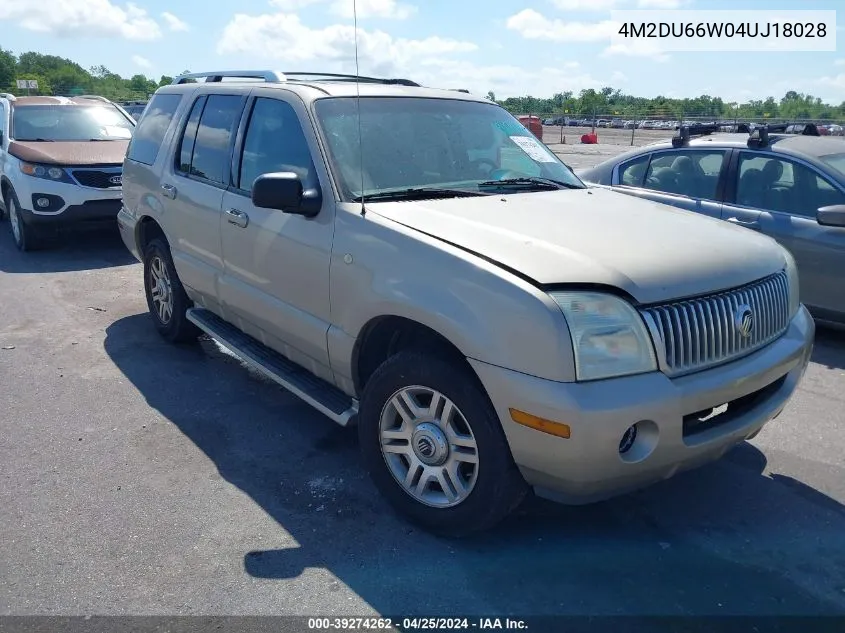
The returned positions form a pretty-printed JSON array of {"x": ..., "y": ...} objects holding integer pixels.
[
  {"x": 681, "y": 139},
  {"x": 361, "y": 78},
  {"x": 272, "y": 76},
  {"x": 269, "y": 76},
  {"x": 8, "y": 95}
]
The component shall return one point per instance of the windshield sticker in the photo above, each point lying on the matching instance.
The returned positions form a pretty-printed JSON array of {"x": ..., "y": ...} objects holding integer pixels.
[
  {"x": 534, "y": 149},
  {"x": 511, "y": 127},
  {"x": 115, "y": 131}
]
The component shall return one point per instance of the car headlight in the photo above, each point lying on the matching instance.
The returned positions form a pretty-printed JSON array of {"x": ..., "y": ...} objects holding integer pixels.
[
  {"x": 794, "y": 286},
  {"x": 47, "y": 172},
  {"x": 609, "y": 337}
]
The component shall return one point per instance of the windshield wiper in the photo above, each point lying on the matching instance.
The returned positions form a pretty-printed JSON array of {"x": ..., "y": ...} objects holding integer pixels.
[
  {"x": 420, "y": 193},
  {"x": 34, "y": 140},
  {"x": 536, "y": 181}
]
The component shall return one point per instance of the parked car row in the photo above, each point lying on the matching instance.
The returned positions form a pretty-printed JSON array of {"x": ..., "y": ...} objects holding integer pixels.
[
  {"x": 62, "y": 161},
  {"x": 490, "y": 323}
]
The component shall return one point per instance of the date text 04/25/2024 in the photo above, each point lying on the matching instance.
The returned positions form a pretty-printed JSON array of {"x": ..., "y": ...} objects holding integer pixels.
[{"x": 415, "y": 624}]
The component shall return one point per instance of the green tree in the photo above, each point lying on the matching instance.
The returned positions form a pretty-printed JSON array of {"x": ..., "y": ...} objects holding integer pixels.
[{"x": 8, "y": 67}]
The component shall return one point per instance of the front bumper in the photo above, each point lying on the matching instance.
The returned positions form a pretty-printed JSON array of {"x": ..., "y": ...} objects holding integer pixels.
[
  {"x": 589, "y": 467},
  {"x": 69, "y": 203}
]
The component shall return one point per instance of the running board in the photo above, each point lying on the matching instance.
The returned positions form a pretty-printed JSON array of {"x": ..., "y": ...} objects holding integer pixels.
[{"x": 321, "y": 395}]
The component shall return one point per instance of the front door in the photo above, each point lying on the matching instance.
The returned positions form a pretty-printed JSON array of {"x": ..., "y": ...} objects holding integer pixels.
[
  {"x": 276, "y": 265},
  {"x": 686, "y": 178}
]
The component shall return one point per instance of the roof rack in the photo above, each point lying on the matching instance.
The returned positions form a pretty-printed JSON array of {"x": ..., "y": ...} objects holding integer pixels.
[
  {"x": 361, "y": 78},
  {"x": 681, "y": 139},
  {"x": 760, "y": 136},
  {"x": 269, "y": 76},
  {"x": 8, "y": 95},
  {"x": 272, "y": 76}
]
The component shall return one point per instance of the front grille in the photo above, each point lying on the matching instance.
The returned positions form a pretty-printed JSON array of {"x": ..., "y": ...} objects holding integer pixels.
[
  {"x": 96, "y": 178},
  {"x": 703, "y": 332}
]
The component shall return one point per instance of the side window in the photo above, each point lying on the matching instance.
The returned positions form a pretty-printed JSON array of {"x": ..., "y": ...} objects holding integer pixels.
[
  {"x": 152, "y": 127},
  {"x": 210, "y": 157},
  {"x": 274, "y": 142},
  {"x": 632, "y": 173},
  {"x": 775, "y": 184},
  {"x": 693, "y": 173},
  {"x": 189, "y": 137}
]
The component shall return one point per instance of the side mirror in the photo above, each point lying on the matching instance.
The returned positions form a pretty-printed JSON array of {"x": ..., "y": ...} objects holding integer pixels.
[
  {"x": 833, "y": 215},
  {"x": 283, "y": 191}
]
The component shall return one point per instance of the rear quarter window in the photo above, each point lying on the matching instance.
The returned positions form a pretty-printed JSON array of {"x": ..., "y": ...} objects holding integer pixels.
[{"x": 152, "y": 127}]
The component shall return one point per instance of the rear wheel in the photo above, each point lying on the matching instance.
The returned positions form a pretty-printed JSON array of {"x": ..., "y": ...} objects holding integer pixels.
[
  {"x": 434, "y": 446},
  {"x": 166, "y": 297}
]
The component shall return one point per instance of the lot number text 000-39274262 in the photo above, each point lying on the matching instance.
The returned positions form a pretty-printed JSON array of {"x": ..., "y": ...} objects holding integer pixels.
[{"x": 724, "y": 31}]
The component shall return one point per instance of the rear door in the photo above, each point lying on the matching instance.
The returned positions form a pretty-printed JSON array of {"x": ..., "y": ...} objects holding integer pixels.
[
  {"x": 194, "y": 182},
  {"x": 779, "y": 197},
  {"x": 687, "y": 178}
]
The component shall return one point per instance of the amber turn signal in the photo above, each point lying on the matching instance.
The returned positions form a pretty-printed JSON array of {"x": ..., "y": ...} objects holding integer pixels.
[{"x": 558, "y": 429}]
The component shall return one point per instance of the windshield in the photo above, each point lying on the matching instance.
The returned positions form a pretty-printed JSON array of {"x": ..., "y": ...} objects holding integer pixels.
[
  {"x": 70, "y": 123},
  {"x": 837, "y": 161},
  {"x": 413, "y": 143}
]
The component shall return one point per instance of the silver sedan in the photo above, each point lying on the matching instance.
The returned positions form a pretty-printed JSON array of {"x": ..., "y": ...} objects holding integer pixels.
[{"x": 789, "y": 187}]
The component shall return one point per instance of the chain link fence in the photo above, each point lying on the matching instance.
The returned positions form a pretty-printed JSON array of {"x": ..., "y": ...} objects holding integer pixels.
[
  {"x": 110, "y": 90},
  {"x": 641, "y": 129}
]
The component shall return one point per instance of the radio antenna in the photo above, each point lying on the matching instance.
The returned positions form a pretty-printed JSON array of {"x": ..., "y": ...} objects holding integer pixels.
[{"x": 358, "y": 103}]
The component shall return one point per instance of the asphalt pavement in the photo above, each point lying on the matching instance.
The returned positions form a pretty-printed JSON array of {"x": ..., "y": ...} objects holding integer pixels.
[{"x": 141, "y": 478}]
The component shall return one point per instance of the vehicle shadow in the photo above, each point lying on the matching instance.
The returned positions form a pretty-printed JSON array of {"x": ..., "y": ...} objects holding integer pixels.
[
  {"x": 829, "y": 348},
  {"x": 724, "y": 539},
  {"x": 87, "y": 249}
]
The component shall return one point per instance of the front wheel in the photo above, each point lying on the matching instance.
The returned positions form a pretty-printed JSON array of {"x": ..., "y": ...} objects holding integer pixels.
[
  {"x": 166, "y": 297},
  {"x": 26, "y": 237},
  {"x": 434, "y": 446}
]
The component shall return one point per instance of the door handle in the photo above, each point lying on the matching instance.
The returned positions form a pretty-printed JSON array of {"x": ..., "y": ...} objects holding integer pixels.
[
  {"x": 168, "y": 191},
  {"x": 754, "y": 225},
  {"x": 236, "y": 217}
]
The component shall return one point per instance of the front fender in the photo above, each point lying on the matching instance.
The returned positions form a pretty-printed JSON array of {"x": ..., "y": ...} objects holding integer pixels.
[{"x": 382, "y": 268}]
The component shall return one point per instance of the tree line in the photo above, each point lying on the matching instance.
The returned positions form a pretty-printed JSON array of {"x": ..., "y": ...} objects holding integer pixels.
[
  {"x": 613, "y": 102},
  {"x": 61, "y": 76}
]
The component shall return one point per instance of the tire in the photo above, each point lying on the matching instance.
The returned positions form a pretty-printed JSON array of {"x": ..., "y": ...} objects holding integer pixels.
[
  {"x": 26, "y": 237},
  {"x": 162, "y": 286},
  {"x": 492, "y": 487}
]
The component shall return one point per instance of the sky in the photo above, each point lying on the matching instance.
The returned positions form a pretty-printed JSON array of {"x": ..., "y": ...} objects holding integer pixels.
[{"x": 536, "y": 47}]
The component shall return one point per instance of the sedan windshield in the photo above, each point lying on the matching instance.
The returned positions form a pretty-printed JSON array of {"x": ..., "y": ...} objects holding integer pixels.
[
  {"x": 70, "y": 123},
  {"x": 415, "y": 144}
]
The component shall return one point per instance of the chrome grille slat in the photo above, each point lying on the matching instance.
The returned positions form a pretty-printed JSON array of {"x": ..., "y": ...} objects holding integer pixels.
[{"x": 700, "y": 333}]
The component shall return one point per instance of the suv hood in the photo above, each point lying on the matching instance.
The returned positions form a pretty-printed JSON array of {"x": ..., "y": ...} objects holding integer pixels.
[
  {"x": 70, "y": 152},
  {"x": 653, "y": 252}
]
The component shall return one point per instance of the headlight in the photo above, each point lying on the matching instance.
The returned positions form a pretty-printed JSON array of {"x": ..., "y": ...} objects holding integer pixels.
[
  {"x": 792, "y": 277},
  {"x": 45, "y": 171},
  {"x": 609, "y": 337}
]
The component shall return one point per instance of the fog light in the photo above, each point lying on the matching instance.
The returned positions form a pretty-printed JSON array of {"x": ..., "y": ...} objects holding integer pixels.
[
  {"x": 43, "y": 202},
  {"x": 628, "y": 439}
]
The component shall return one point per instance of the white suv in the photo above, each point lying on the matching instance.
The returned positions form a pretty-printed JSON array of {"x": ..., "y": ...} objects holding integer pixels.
[{"x": 61, "y": 163}]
